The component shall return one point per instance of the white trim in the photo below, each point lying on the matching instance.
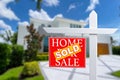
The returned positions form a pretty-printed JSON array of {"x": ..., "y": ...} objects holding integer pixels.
[{"x": 80, "y": 30}]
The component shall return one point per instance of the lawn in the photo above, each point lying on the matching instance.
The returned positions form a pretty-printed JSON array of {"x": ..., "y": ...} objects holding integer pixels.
[
  {"x": 117, "y": 73},
  {"x": 13, "y": 74}
]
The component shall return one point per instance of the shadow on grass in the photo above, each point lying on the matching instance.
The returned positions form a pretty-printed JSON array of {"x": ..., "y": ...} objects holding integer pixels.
[{"x": 13, "y": 78}]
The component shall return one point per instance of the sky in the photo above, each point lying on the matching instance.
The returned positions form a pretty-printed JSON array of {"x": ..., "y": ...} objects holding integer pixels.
[{"x": 14, "y": 13}]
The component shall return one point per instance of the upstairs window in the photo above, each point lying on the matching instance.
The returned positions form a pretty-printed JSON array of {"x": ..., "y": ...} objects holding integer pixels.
[
  {"x": 49, "y": 26},
  {"x": 42, "y": 25},
  {"x": 75, "y": 26}
]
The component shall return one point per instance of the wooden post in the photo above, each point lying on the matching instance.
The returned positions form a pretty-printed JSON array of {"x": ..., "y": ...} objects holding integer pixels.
[{"x": 93, "y": 46}]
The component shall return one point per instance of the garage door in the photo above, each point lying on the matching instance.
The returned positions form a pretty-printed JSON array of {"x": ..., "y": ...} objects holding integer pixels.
[{"x": 103, "y": 49}]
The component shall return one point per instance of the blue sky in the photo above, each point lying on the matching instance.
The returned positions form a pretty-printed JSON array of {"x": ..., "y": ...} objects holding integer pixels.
[{"x": 12, "y": 14}]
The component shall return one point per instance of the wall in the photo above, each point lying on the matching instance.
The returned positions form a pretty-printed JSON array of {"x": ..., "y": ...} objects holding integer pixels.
[
  {"x": 105, "y": 39},
  {"x": 22, "y": 32}
]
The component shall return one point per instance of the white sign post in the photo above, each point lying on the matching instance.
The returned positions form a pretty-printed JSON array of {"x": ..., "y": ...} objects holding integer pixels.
[
  {"x": 93, "y": 31},
  {"x": 93, "y": 46}
]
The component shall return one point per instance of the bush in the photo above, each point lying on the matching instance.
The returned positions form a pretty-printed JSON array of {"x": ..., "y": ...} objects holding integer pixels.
[
  {"x": 5, "y": 51},
  {"x": 42, "y": 57},
  {"x": 30, "y": 55},
  {"x": 16, "y": 56},
  {"x": 30, "y": 69},
  {"x": 116, "y": 73},
  {"x": 116, "y": 50}
]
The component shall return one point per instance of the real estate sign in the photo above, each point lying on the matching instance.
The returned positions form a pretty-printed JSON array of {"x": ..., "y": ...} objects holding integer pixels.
[{"x": 67, "y": 52}]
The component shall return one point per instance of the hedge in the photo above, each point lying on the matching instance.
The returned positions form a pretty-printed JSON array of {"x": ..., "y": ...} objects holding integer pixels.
[
  {"x": 42, "y": 57},
  {"x": 5, "y": 51},
  {"x": 116, "y": 50},
  {"x": 16, "y": 57}
]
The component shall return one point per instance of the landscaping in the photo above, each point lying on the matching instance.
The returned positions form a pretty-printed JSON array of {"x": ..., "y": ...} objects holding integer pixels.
[
  {"x": 42, "y": 56},
  {"x": 116, "y": 73},
  {"x": 13, "y": 66},
  {"x": 116, "y": 50},
  {"x": 19, "y": 64},
  {"x": 14, "y": 74}
]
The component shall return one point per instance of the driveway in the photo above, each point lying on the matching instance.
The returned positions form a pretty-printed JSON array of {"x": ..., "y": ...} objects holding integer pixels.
[{"x": 105, "y": 65}]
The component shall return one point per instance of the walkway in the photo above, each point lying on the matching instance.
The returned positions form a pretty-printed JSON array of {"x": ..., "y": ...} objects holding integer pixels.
[{"x": 105, "y": 65}]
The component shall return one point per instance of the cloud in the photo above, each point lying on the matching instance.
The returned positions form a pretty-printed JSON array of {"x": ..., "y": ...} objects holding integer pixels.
[
  {"x": 58, "y": 15},
  {"x": 92, "y": 5},
  {"x": 39, "y": 15},
  {"x": 116, "y": 36},
  {"x": 24, "y": 23},
  {"x": 72, "y": 6},
  {"x": 7, "y": 12},
  {"x": 3, "y": 32},
  {"x": 85, "y": 20},
  {"x": 51, "y": 2},
  {"x": 1, "y": 40},
  {"x": 43, "y": 15},
  {"x": 4, "y": 26}
]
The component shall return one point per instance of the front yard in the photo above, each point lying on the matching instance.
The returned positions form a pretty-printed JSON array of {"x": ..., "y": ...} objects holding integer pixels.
[{"x": 14, "y": 74}]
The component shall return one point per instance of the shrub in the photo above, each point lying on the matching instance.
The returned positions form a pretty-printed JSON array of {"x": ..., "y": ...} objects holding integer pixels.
[
  {"x": 16, "y": 57},
  {"x": 30, "y": 69},
  {"x": 116, "y": 73},
  {"x": 116, "y": 50},
  {"x": 5, "y": 51},
  {"x": 42, "y": 57},
  {"x": 30, "y": 55}
]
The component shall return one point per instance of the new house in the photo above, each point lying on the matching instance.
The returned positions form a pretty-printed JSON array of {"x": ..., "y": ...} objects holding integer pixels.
[{"x": 104, "y": 41}]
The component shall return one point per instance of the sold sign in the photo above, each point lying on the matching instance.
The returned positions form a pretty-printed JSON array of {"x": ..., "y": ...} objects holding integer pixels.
[{"x": 67, "y": 52}]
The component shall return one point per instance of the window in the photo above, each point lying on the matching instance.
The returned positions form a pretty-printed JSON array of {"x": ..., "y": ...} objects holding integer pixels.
[
  {"x": 45, "y": 44},
  {"x": 75, "y": 26},
  {"x": 42, "y": 25},
  {"x": 49, "y": 26},
  {"x": 79, "y": 26},
  {"x": 70, "y": 25}
]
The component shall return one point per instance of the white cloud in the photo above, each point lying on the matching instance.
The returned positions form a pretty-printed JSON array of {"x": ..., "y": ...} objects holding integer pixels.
[
  {"x": 58, "y": 15},
  {"x": 3, "y": 32},
  {"x": 51, "y": 2},
  {"x": 7, "y": 12},
  {"x": 85, "y": 20},
  {"x": 39, "y": 15},
  {"x": 25, "y": 23},
  {"x": 72, "y": 6},
  {"x": 92, "y": 5},
  {"x": 116, "y": 36},
  {"x": 1, "y": 40},
  {"x": 43, "y": 15},
  {"x": 4, "y": 26}
]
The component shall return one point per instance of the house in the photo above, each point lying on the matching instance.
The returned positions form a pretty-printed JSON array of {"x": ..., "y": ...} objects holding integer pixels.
[{"x": 104, "y": 41}]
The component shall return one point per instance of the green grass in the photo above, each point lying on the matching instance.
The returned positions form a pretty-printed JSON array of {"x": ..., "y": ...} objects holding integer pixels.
[
  {"x": 13, "y": 74},
  {"x": 117, "y": 73}
]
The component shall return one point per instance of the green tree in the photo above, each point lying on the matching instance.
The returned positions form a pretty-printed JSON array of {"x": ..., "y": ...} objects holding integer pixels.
[
  {"x": 113, "y": 42},
  {"x": 14, "y": 38},
  {"x": 7, "y": 36},
  {"x": 34, "y": 40}
]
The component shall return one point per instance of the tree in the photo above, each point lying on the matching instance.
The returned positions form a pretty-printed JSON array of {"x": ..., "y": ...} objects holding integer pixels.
[
  {"x": 38, "y": 4},
  {"x": 34, "y": 40},
  {"x": 113, "y": 42},
  {"x": 14, "y": 38},
  {"x": 7, "y": 36}
]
